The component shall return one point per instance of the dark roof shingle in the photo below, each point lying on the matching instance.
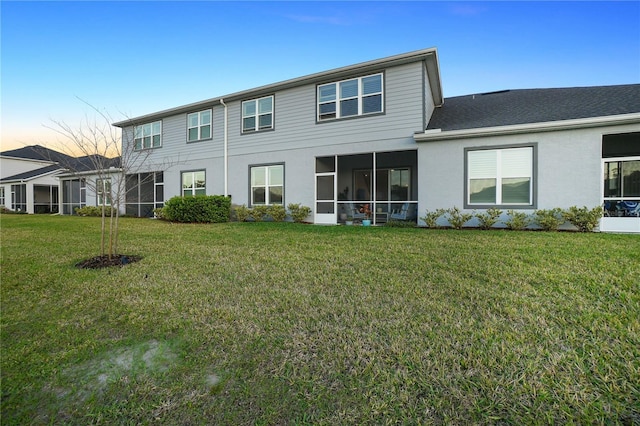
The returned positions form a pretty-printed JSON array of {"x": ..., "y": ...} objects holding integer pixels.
[
  {"x": 32, "y": 173},
  {"x": 525, "y": 106}
]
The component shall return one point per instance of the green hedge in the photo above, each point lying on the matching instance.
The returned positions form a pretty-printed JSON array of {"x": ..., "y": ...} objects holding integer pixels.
[{"x": 198, "y": 209}]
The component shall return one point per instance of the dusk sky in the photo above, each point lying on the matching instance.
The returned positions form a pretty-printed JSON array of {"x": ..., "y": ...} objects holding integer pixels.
[{"x": 134, "y": 58}]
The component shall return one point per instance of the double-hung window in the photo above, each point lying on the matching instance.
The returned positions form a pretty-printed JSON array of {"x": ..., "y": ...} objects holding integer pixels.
[
  {"x": 193, "y": 183},
  {"x": 267, "y": 184},
  {"x": 148, "y": 136},
  {"x": 350, "y": 98},
  {"x": 500, "y": 176},
  {"x": 199, "y": 126},
  {"x": 103, "y": 191},
  {"x": 257, "y": 114}
]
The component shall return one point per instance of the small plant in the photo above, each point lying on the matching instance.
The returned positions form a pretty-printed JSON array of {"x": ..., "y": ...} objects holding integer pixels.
[
  {"x": 488, "y": 218},
  {"x": 583, "y": 218},
  {"x": 277, "y": 212},
  {"x": 242, "y": 213},
  {"x": 517, "y": 220},
  {"x": 298, "y": 212},
  {"x": 258, "y": 212},
  {"x": 549, "y": 219},
  {"x": 158, "y": 213},
  {"x": 456, "y": 218},
  {"x": 431, "y": 218}
]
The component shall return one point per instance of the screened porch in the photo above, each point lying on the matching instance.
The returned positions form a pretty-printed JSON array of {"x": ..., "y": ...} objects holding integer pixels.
[{"x": 379, "y": 186}]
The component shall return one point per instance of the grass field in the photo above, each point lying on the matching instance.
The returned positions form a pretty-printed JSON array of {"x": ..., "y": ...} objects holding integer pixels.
[{"x": 264, "y": 323}]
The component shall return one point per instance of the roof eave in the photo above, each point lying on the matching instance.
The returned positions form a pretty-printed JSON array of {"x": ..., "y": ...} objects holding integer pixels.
[
  {"x": 429, "y": 55},
  {"x": 431, "y": 135},
  {"x": 27, "y": 179}
]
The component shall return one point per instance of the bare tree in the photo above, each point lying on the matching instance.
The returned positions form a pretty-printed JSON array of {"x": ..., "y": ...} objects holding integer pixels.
[{"x": 96, "y": 148}]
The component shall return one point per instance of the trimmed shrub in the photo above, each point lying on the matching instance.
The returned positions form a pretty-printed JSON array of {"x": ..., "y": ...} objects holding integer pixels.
[
  {"x": 258, "y": 212},
  {"x": 277, "y": 212},
  {"x": 94, "y": 211},
  {"x": 517, "y": 220},
  {"x": 549, "y": 220},
  {"x": 456, "y": 218},
  {"x": 299, "y": 212},
  {"x": 198, "y": 209},
  {"x": 242, "y": 213},
  {"x": 583, "y": 218},
  {"x": 431, "y": 218},
  {"x": 488, "y": 218}
]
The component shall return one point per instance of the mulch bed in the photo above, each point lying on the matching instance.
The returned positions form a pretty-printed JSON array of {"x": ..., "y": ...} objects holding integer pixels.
[{"x": 104, "y": 261}]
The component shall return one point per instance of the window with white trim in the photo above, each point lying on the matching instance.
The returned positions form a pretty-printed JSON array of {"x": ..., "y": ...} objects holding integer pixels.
[
  {"x": 267, "y": 184},
  {"x": 103, "y": 191},
  {"x": 500, "y": 176},
  {"x": 193, "y": 183},
  {"x": 257, "y": 114},
  {"x": 148, "y": 136},
  {"x": 349, "y": 98},
  {"x": 199, "y": 126}
]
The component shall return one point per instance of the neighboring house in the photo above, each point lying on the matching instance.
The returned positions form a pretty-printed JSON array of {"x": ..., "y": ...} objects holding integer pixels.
[
  {"x": 381, "y": 133},
  {"x": 36, "y": 179}
]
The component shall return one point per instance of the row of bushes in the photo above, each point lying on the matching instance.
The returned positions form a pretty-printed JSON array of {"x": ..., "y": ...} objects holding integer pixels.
[
  {"x": 276, "y": 213},
  {"x": 583, "y": 218},
  {"x": 95, "y": 211},
  {"x": 218, "y": 209}
]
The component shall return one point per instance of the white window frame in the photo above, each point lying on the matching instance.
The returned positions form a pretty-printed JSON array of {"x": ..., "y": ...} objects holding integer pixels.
[
  {"x": 499, "y": 175},
  {"x": 103, "y": 186},
  {"x": 192, "y": 189},
  {"x": 337, "y": 98},
  {"x": 257, "y": 114},
  {"x": 267, "y": 185},
  {"x": 147, "y": 136},
  {"x": 200, "y": 117}
]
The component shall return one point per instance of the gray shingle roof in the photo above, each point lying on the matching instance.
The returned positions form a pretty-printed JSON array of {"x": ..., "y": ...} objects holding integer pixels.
[
  {"x": 526, "y": 106},
  {"x": 64, "y": 161},
  {"x": 37, "y": 152},
  {"x": 32, "y": 173}
]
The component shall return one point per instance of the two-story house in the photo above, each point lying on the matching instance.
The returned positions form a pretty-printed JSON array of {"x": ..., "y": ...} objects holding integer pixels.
[{"x": 381, "y": 134}]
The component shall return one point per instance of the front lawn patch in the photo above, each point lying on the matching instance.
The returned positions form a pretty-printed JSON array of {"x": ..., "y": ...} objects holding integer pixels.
[{"x": 271, "y": 323}]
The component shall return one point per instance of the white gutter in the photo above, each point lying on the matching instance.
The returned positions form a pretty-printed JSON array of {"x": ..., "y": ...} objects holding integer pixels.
[
  {"x": 225, "y": 149},
  {"x": 550, "y": 126}
]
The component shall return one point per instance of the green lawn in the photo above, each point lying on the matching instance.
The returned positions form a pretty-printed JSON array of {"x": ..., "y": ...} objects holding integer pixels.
[{"x": 268, "y": 323}]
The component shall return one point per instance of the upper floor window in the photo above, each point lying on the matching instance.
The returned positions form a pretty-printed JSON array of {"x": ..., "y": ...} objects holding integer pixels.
[
  {"x": 199, "y": 126},
  {"x": 500, "y": 176},
  {"x": 257, "y": 114},
  {"x": 148, "y": 136},
  {"x": 349, "y": 98}
]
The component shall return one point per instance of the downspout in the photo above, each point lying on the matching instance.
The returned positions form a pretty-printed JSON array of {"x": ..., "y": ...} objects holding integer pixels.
[{"x": 225, "y": 149}]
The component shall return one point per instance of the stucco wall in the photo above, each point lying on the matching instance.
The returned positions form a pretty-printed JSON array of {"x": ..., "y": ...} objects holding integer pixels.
[{"x": 569, "y": 167}]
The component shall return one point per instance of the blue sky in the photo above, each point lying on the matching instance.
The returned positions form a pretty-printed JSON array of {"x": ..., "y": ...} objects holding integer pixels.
[{"x": 134, "y": 58}]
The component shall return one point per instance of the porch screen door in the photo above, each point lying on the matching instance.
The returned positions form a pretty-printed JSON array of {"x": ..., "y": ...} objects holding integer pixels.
[{"x": 326, "y": 190}]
